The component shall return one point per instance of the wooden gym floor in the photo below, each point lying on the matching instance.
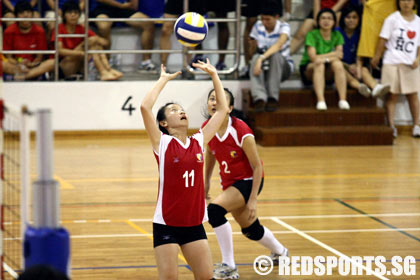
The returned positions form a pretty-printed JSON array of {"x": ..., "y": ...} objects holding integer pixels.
[{"x": 357, "y": 201}]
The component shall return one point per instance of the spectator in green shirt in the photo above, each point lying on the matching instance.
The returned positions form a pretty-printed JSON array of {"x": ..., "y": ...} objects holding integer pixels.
[{"x": 321, "y": 61}]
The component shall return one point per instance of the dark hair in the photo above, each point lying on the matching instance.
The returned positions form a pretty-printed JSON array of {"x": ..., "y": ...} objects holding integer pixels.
[
  {"x": 234, "y": 113},
  {"x": 346, "y": 11},
  {"x": 231, "y": 98},
  {"x": 70, "y": 6},
  {"x": 270, "y": 8},
  {"x": 161, "y": 117},
  {"x": 326, "y": 10},
  {"x": 40, "y": 271},
  {"x": 23, "y": 6},
  {"x": 399, "y": 7}
]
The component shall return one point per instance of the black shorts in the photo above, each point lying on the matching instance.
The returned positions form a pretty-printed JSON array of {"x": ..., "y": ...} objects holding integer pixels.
[
  {"x": 176, "y": 7},
  {"x": 305, "y": 81},
  {"x": 245, "y": 187},
  {"x": 112, "y": 12},
  {"x": 163, "y": 234}
]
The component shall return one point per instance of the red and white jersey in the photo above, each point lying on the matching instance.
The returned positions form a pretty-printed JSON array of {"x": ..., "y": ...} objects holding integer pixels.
[
  {"x": 180, "y": 201},
  {"x": 227, "y": 149}
]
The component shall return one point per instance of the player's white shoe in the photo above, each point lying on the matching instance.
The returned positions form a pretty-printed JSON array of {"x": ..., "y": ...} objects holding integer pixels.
[{"x": 223, "y": 271}]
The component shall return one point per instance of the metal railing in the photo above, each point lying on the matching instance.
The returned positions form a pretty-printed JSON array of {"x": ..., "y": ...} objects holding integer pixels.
[{"x": 185, "y": 51}]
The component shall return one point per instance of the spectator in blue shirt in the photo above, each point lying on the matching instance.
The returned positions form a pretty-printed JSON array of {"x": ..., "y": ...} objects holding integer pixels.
[{"x": 358, "y": 76}]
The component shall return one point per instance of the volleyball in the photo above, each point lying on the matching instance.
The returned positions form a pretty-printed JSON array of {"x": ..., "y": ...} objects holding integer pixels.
[{"x": 191, "y": 29}]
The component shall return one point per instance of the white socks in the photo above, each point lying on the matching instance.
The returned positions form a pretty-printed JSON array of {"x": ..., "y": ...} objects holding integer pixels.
[
  {"x": 271, "y": 243},
  {"x": 224, "y": 237}
]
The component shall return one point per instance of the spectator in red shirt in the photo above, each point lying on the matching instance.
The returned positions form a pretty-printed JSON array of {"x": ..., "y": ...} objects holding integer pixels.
[
  {"x": 71, "y": 50},
  {"x": 9, "y": 8},
  {"x": 26, "y": 36}
]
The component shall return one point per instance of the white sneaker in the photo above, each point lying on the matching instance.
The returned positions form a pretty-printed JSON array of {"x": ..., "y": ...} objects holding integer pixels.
[
  {"x": 147, "y": 66},
  {"x": 321, "y": 105},
  {"x": 364, "y": 90},
  {"x": 343, "y": 105},
  {"x": 275, "y": 257},
  {"x": 223, "y": 271},
  {"x": 380, "y": 90},
  {"x": 416, "y": 131}
]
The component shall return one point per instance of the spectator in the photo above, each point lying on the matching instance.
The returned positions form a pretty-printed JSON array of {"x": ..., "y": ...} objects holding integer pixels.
[
  {"x": 71, "y": 50},
  {"x": 125, "y": 9},
  {"x": 8, "y": 10},
  {"x": 349, "y": 27},
  {"x": 173, "y": 9},
  {"x": 251, "y": 10},
  {"x": 400, "y": 39},
  {"x": 153, "y": 9},
  {"x": 374, "y": 14},
  {"x": 271, "y": 64},
  {"x": 310, "y": 22},
  {"x": 221, "y": 8},
  {"x": 51, "y": 13},
  {"x": 25, "y": 36},
  {"x": 322, "y": 59}
]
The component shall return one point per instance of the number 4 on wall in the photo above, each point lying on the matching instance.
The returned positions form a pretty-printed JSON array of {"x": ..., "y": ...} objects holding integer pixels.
[{"x": 127, "y": 106}]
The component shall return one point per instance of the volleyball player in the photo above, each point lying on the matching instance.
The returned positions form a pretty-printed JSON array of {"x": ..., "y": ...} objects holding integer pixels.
[
  {"x": 242, "y": 178},
  {"x": 180, "y": 209}
]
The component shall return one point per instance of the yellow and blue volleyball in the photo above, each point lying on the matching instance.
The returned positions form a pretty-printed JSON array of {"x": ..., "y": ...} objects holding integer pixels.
[{"x": 191, "y": 29}]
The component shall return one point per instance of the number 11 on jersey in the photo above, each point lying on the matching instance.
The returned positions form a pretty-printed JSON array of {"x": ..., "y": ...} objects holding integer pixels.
[{"x": 189, "y": 174}]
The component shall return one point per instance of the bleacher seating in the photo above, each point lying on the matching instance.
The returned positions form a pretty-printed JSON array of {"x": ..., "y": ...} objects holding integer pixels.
[{"x": 298, "y": 123}]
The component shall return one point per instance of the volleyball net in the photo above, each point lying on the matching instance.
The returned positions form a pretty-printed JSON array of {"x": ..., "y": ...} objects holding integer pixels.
[{"x": 14, "y": 187}]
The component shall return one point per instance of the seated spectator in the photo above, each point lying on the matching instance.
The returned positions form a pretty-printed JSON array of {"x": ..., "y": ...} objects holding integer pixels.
[
  {"x": 349, "y": 27},
  {"x": 310, "y": 22},
  {"x": 173, "y": 9},
  {"x": 125, "y": 9},
  {"x": 25, "y": 36},
  {"x": 400, "y": 40},
  {"x": 71, "y": 50},
  {"x": 153, "y": 9},
  {"x": 271, "y": 64},
  {"x": 9, "y": 8},
  {"x": 222, "y": 7},
  {"x": 321, "y": 61},
  {"x": 51, "y": 14}
]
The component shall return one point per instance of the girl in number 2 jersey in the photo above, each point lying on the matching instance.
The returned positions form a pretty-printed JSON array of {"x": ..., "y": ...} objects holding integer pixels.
[
  {"x": 241, "y": 173},
  {"x": 180, "y": 209}
]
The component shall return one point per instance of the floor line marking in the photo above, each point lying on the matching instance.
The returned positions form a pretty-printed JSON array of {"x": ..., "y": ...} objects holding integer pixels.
[
  {"x": 150, "y": 236},
  {"x": 148, "y": 220},
  {"x": 314, "y": 176},
  {"x": 329, "y": 248},
  {"x": 240, "y": 233},
  {"x": 378, "y": 220}
]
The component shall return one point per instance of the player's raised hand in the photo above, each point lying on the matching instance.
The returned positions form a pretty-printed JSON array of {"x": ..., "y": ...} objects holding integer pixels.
[
  {"x": 168, "y": 76},
  {"x": 206, "y": 67}
]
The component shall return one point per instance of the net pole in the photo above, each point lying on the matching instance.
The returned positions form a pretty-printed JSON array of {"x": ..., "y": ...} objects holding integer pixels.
[
  {"x": 45, "y": 191},
  {"x": 25, "y": 170}
]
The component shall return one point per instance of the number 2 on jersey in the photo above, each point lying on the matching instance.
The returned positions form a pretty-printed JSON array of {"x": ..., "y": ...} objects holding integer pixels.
[
  {"x": 186, "y": 175},
  {"x": 227, "y": 171}
]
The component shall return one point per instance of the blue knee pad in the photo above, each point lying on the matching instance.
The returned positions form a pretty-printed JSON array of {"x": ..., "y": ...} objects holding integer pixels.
[
  {"x": 216, "y": 215},
  {"x": 254, "y": 232}
]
